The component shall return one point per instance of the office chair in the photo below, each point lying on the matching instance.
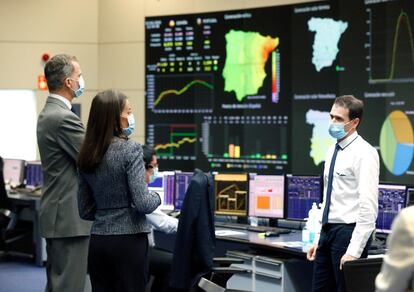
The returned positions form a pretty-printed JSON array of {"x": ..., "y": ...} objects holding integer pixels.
[
  {"x": 10, "y": 233},
  {"x": 195, "y": 240},
  {"x": 360, "y": 274}
]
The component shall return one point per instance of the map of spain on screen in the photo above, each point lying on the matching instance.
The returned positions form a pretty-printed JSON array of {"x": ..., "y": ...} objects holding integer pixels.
[
  {"x": 325, "y": 45},
  {"x": 320, "y": 140},
  {"x": 246, "y": 56}
]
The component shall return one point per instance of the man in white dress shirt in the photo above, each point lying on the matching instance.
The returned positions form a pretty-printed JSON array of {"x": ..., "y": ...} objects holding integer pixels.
[
  {"x": 160, "y": 260},
  {"x": 350, "y": 204}
]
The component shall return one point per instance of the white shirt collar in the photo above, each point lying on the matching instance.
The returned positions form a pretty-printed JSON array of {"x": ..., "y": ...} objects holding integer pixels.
[
  {"x": 348, "y": 140},
  {"x": 61, "y": 98}
]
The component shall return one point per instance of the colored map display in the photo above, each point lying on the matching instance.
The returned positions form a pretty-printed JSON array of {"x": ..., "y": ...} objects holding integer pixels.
[
  {"x": 246, "y": 57},
  {"x": 327, "y": 35},
  {"x": 222, "y": 73},
  {"x": 320, "y": 140}
]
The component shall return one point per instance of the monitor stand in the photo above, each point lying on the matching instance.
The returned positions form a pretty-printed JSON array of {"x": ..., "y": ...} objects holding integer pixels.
[
  {"x": 273, "y": 222},
  {"x": 242, "y": 220}
]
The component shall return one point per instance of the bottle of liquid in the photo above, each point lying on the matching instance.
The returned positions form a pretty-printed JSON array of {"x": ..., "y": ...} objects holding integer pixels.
[
  {"x": 313, "y": 222},
  {"x": 305, "y": 233}
]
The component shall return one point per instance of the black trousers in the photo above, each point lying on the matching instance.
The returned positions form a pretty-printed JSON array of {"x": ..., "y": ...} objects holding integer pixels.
[
  {"x": 118, "y": 262},
  {"x": 159, "y": 267},
  {"x": 333, "y": 243}
]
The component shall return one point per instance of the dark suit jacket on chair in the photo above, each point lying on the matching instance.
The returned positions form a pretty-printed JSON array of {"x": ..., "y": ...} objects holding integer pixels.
[
  {"x": 195, "y": 241},
  {"x": 60, "y": 134}
]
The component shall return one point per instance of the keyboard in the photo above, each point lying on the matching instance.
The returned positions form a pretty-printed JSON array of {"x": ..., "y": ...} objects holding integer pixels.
[
  {"x": 252, "y": 228},
  {"x": 377, "y": 251},
  {"x": 268, "y": 228},
  {"x": 377, "y": 247},
  {"x": 36, "y": 192},
  {"x": 231, "y": 225}
]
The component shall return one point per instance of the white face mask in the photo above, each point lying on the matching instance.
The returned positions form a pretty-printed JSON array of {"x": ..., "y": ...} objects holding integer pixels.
[
  {"x": 131, "y": 125},
  {"x": 154, "y": 175},
  {"x": 337, "y": 130},
  {"x": 78, "y": 92}
]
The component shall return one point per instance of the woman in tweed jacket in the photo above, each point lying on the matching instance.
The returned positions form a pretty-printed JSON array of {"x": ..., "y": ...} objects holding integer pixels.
[{"x": 114, "y": 195}]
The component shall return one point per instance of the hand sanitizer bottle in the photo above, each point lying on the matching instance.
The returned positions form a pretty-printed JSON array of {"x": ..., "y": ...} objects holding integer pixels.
[{"x": 305, "y": 233}]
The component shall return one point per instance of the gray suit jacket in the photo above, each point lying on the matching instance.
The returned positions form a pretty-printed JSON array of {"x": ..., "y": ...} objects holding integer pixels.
[{"x": 59, "y": 136}]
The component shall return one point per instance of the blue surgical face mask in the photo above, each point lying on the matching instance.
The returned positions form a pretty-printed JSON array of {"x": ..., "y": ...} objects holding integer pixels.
[
  {"x": 337, "y": 130},
  {"x": 131, "y": 125},
  {"x": 78, "y": 92},
  {"x": 154, "y": 175}
]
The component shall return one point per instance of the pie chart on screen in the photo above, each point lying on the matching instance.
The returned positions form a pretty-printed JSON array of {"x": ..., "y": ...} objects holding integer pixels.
[{"x": 397, "y": 143}]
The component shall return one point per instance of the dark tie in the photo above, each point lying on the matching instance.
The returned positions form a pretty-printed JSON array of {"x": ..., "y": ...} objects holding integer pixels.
[{"x": 329, "y": 189}]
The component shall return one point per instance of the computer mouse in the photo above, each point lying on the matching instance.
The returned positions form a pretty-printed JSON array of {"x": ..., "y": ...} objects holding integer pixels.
[{"x": 271, "y": 234}]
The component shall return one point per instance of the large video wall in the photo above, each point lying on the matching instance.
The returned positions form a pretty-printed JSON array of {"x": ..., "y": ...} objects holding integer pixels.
[{"x": 251, "y": 90}]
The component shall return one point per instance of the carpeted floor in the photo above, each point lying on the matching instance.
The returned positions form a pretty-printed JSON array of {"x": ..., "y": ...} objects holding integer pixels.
[{"x": 21, "y": 277}]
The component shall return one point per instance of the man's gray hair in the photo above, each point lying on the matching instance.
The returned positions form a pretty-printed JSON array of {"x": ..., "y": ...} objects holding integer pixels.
[{"x": 57, "y": 69}]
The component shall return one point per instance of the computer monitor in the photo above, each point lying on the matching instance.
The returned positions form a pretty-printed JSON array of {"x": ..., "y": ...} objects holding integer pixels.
[
  {"x": 13, "y": 171},
  {"x": 182, "y": 180},
  {"x": 34, "y": 174},
  {"x": 231, "y": 191},
  {"x": 266, "y": 195},
  {"x": 391, "y": 199},
  {"x": 302, "y": 192},
  {"x": 410, "y": 196},
  {"x": 164, "y": 186}
]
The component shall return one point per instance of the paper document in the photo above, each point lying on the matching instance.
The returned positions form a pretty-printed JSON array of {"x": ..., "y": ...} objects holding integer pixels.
[
  {"x": 289, "y": 243},
  {"x": 294, "y": 244},
  {"x": 227, "y": 232}
]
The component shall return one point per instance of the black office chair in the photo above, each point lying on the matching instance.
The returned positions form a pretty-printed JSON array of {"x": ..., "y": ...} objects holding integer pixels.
[
  {"x": 360, "y": 274},
  {"x": 193, "y": 262},
  {"x": 5, "y": 205},
  {"x": 10, "y": 231}
]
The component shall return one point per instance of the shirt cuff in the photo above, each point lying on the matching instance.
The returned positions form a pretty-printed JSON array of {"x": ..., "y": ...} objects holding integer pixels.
[
  {"x": 354, "y": 250},
  {"x": 316, "y": 238}
]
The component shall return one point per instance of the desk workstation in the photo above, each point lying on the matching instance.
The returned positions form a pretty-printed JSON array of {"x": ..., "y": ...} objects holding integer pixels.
[
  {"x": 278, "y": 261},
  {"x": 22, "y": 197},
  {"x": 286, "y": 244},
  {"x": 274, "y": 251},
  {"x": 285, "y": 249},
  {"x": 32, "y": 205},
  {"x": 294, "y": 197}
]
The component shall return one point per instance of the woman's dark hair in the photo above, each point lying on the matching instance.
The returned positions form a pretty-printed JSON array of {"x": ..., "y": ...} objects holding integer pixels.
[
  {"x": 149, "y": 152},
  {"x": 103, "y": 124}
]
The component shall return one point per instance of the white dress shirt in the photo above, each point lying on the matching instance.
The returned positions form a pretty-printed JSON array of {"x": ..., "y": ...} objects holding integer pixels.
[
  {"x": 61, "y": 98},
  {"x": 354, "y": 197},
  {"x": 398, "y": 266},
  {"x": 162, "y": 222}
]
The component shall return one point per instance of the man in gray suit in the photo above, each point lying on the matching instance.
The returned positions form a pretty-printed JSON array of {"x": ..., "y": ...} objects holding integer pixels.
[{"x": 60, "y": 134}]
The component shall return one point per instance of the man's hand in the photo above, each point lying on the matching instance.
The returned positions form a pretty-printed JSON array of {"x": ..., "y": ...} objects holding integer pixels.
[
  {"x": 345, "y": 258},
  {"x": 311, "y": 254}
]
